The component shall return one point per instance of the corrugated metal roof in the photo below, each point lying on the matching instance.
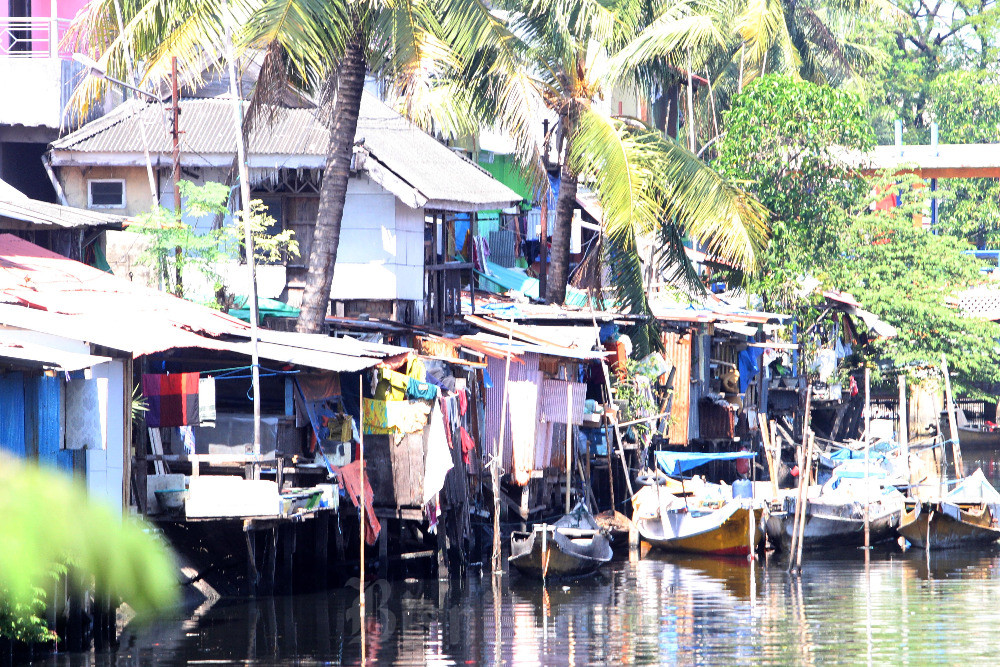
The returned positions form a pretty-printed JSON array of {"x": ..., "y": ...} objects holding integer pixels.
[
  {"x": 296, "y": 139},
  {"x": 18, "y": 211},
  {"x": 45, "y": 292}
]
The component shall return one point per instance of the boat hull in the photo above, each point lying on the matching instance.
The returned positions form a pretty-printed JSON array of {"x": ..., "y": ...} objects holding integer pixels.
[
  {"x": 834, "y": 525},
  {"x": 559, "y": 554},
  {"x": 724, "y": 532},
  {"x": 948, "y": 525}
]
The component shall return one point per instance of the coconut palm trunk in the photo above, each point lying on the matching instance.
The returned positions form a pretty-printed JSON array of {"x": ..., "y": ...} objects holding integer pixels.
[
  {"x": 333, "y": 191},
  {"x": 558, "y": 270}
]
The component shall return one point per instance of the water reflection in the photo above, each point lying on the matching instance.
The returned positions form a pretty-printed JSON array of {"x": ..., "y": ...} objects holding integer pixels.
[{"x": 901, "y": 608}]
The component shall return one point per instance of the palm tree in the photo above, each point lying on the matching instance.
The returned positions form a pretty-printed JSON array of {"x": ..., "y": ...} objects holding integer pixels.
[
  {"x": 646, "y": 183},
  {"x": 732, "y": 42},
  {"x": 325, "y": 49}
]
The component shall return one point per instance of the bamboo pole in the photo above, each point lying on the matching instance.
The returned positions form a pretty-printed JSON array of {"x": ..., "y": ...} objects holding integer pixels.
[
  {"x": 569, "y": 441},
  {"x": 904, "y": 438},
  {"x": 802, "y": 514},
  {"x": 868, "y": 454},
  {"x": 796, "y": 537},
  {"x": 244, "y": 174},
  {"x": 361, "y": 506},
  {"x": 498, "y": 453},
  {"x": 766, "y": 438},
  {"x": 956, "y": 447}
]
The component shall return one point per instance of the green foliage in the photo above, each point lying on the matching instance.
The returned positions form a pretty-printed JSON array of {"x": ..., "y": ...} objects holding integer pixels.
[
  {"x": 46, "y": 520},
  {"x": 22, "y": 621},
  {"x": 173, "y": 246},
  {"x": 966, "y": 106},
  {"x": 904, "y": 274},
  {"x": 782, "y": 139}
]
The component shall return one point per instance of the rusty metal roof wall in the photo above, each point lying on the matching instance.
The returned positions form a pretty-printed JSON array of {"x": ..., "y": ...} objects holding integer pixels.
[
  {"x": 46, "y": 292},
  {"x": 18, "y": 211},
  {"x": 438, "y": 173}
]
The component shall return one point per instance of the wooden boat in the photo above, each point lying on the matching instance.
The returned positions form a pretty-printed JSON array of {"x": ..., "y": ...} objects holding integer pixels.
[
  {"x": 948, "y": 525},
  {"x": 836, "y": 520},
  {"x": 972, "y": 436},
  {"x": 723, "y": 531},
  {"x": 709, "y": 521},
  {"x": 968, "y": 515},
  {"x": 574, "y": 546}
]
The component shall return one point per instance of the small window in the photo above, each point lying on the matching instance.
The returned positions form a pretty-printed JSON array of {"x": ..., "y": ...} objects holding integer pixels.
[{"x": 106, "y": 193}]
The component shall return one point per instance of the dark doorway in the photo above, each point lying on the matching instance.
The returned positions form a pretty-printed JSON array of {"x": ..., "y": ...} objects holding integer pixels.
[{"x": 21, "y": 166}]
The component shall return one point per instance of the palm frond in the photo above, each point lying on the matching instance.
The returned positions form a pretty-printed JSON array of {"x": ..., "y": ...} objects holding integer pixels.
[{"x": 645, "y": 181}]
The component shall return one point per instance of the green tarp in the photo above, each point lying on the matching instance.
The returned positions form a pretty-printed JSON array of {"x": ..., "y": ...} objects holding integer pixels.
[
  {"x": 512, "y": 279},
  {"x": 265, "y": 307}
]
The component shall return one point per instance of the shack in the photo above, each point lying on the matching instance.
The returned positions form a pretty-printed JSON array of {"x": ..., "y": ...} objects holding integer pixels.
[{"x": 405, "y": 251}]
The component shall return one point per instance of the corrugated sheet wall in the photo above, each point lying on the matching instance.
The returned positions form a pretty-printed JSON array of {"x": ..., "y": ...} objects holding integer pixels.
[
  {"x": 528, "y": 370},
  {"x": 677, "y": 349}
]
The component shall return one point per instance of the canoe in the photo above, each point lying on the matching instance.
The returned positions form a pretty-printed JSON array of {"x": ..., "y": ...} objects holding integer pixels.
[
  {"x": 724, "y": 531},
  {"x": 948, "y": 525},
  {"x": 967, "y": 515},
  {"x": 968, "y": 433},
  {"x": 550, "y": 551},
  {"x": 974, "y": 436},
  {"x": 573, "y": 546},
  {"x": 835, "y": 522}
]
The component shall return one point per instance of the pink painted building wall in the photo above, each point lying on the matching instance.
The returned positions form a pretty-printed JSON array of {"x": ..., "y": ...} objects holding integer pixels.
[{"x": 26, "y": 26}]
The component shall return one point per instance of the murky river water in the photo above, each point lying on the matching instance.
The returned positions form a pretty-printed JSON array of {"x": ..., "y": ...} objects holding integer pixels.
[
  {"x": 662, "y": 609},
  {"x": 899, "y": 608}
]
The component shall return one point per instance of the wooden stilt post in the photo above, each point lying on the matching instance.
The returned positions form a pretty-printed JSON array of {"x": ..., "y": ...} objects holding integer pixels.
[
  {"x": 498, "y": 452},
  {"x": 904, "y": 426},
  {"x": 569, "y": 442},
  {"x": 803, "y": 483},
  {"x": 361, "y": 507},
  {"x": 868, "y": 455},
  {"x": 956, "y": 447},
  {"x": 768, "y": 443},
  {"x": 805, "y": 502}
]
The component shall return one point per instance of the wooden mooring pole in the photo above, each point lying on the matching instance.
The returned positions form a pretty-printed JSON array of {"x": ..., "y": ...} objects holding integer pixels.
[
  {"x": 868, "y": 455},
  {"x": 498, "y": 455},
  {"x": 361, "y": 507}
]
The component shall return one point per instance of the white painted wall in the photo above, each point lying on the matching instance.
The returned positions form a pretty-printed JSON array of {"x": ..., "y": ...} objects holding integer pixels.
[
  {"x": 33, "y": 92},
  {"x": 381, "y": 254},
  {"x": 105, "y": 467}
]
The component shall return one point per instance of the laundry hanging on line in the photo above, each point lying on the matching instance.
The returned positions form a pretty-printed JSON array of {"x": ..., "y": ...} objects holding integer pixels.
[{"x": 173, "y": 399}]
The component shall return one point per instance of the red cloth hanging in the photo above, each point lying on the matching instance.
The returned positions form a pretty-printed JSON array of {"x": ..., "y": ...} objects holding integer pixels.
[
  {"x": 349, "y": 479},
  {"x": 468, "y": 444}
]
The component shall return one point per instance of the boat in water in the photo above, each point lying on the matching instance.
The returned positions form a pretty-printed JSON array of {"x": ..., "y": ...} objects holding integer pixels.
[
  {"x": 715, "y": 520},
  {"x": 967, "y": 515},
  {"x": 573, "y": 546},
  {"x": 969, "y": 434},
  {"x": 835, "y": 516}
]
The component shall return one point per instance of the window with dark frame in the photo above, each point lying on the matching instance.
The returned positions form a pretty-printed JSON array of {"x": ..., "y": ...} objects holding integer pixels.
[{"x": 106, "y": 193}]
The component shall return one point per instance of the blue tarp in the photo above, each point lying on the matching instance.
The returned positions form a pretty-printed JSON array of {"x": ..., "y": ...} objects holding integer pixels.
[{"x": 677, "y": 463}]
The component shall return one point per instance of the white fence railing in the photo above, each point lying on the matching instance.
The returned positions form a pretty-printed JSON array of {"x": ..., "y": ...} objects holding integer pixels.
[{"x": 32, "y": 37}]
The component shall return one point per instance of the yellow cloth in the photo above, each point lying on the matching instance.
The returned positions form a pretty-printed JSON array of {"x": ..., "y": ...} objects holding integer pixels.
[
  {"x": 391, "y": 385},
  {"x": 395, "y": 416},
  {"x": 415, "y": 369}
]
